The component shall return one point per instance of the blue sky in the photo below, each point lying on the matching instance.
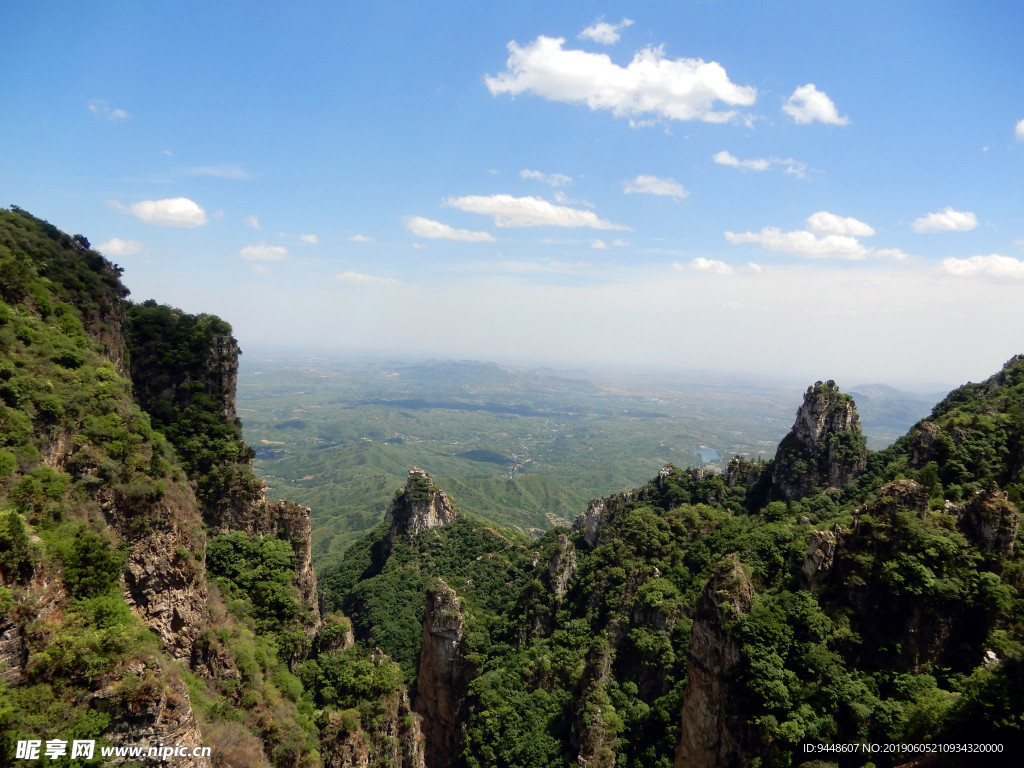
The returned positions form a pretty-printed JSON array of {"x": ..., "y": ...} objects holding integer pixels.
[{"x": 810, "y": 189}]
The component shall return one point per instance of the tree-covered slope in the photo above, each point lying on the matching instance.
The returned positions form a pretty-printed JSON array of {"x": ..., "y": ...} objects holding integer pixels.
[
  {"x": 695, "y": 622},
  {"x": 149, "y": 594}
]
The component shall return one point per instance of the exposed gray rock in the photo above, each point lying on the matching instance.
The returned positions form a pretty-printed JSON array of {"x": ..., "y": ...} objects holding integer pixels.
[
  {"x": 711, "y": 737},
  {"x": 821, "y": 550},
  {"x": 562, "y": 566},
  {"x": 419, "y": 507},
  {"x": 443, "y": 675},
  {"x": 825, "y": 448}
]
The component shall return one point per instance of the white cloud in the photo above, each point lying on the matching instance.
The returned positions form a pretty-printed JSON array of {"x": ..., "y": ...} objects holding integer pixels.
[
  {"x": 100, "y": 108},
  {"x": 115, "y": 246},
  {"x": 264, "y": 252},
  {"x": 713, "y": 266},
  {"x": 309, "y": 238},
  {"x": 650, "y": 85},
  {"x": 993, "y": 266},
  {"x": 509, "y": 211},
  {"x": 725, "y": 158},
  {"x": 598, "y": 245},
  {"x": 825, "y": 223},
  {"x": 604, "y": 33},
  {"x": 553, "y": 179},
  {"x": 652, "y": 185},
  {"x": 946, "y": 220},
  {"x": 808, "y": 104},
  {"x": 252, "y": 221},
  {"x": 422, "y": 227},
  {"x": 222, "y": 171},
  {"x": 791, "y": 166},
  {"x": 828, "y": 237},
  {"x": 1019, "y": 131},
  {"x": 363, "y": 279},
  {"x": 361, "y": 239},
  {"x": 173, "y": 212}
]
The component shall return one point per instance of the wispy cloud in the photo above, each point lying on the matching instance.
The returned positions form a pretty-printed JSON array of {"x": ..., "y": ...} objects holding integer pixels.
[
  {"x": 435, "y": 230},
  {"x": 509, "y": 211},
  {"x": 789, "y": 165},
  {"x": 309, "y": 238},
  {"x": 808, "y": 105},
  {"x": 650, "y": 86},
  {"x": 364, "y": 279},
  {"x": 264, "y": 252},
  {"x": 177, "y": 212},
  {"x": 100, "y": 108},
  {"x": 652, "y": 185},
  {"x": 993, "y": 266},
  {"x": 946, "y": 220},
  {"x": 222, "y": 171},
  {"x": 252, "y": 221},
  {"x": 551, "y": 179},
  {"x": 1019, "y": 131},
  {"x": 361, "y": 239},
  {"x": 603, "y": 32}
]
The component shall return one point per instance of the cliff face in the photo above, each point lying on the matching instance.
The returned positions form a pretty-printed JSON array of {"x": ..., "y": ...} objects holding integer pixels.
[
  {"x": 443, "y": 675},
  {"x": 825, "y": 448},
  {"x": 102, "y": 536},
  {"x": 177, "y": 357},
  {"x": 284, "y": 520},
  {"x": 711, "y": 737},
  {"x": 394, "y": 738}
]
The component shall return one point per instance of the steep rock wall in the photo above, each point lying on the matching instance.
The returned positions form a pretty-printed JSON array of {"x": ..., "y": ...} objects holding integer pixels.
[
  {"x": 443, "y": 675},
  {"x": 710, "y": 737}
]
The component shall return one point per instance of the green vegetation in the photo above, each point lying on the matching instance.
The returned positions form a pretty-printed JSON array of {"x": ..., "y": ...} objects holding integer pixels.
[
  {"x": 183, "y": 367},
  {"x": 903, "y": 623}
]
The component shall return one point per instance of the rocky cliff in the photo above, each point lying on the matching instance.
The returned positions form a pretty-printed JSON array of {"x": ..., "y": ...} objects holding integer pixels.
[
  {"x": 711, "y": 735},
  {"x": 443, "y": 675},
  {"x": 106, "y": 604},
  {"x": 825, "y": 448}
]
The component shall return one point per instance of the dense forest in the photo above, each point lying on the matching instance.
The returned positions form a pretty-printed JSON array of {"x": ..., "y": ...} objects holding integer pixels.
[{"x": 801, "y": 611}]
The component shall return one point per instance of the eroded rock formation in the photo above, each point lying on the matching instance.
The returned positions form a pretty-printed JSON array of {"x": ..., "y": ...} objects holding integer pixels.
[
  {"x": 443, "y": 675},
  {"x": 825, "y": 448},
  {"x": 711, "y": 737}
]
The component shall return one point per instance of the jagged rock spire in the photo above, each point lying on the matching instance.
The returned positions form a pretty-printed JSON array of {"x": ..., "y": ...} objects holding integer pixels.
[
  {"x": 825, "y": 448},
  {"x": 418, "y": 507}
]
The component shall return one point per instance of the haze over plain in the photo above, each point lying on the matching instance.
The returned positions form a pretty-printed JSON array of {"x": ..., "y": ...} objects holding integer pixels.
[{"x": 801, "y": 189}]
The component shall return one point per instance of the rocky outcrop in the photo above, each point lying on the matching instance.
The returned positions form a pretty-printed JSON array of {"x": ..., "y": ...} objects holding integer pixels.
[
  {"x": 821, "y": 551},
  {"x": 825, "y": 448},
  {"x": 419, "y": 507},
  {"x": 711, "y": 737},
  {"x": 150, "y": 709},
  {"x": 443, "y": 676},
  {"x": 395, "y": 739},
  {"x": 990, "y": 520},
  {"x": 599, "y": 511},
  {"x": 164, "y": 583},
  {"x": 204, "y": 360},
  {"x": 561, "y": 566},
  {"x": 284, "y": 520}
]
